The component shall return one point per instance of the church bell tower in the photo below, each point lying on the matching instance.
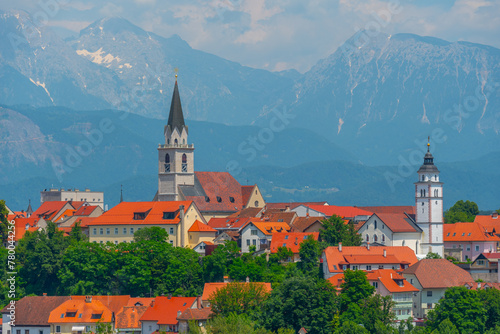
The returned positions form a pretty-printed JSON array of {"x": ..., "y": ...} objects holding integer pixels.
[
  {"x": 429, "y": 206},
  {"x": 176, "y": 156}
]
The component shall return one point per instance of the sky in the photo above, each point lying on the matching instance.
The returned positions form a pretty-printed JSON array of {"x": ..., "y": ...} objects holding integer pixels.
[{"x": 277, "y": 34}]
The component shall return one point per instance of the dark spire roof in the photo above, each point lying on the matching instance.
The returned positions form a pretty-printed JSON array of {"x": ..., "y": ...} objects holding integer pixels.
[
  {"x": 176, "y": 118},
  {"x": 29, "y": 210},
  {"x": 428, "y": 166}
]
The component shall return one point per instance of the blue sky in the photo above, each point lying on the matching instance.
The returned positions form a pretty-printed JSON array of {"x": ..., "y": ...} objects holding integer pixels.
[{"x": 279, "y": 34}]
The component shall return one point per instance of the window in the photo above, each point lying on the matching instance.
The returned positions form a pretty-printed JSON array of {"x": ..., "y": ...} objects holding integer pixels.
[
  {"x": 58, "y": 329},
  {"x": 429, "y": 293},
  {"x": 124, "y": 230},
  {"x": 184, "y": 163},
  {"x": 116, "y": 242},
  {"x": 171, "y": 242},
  {"x": 167, "y": 163},
  {"x": 248, "y": 242},
  {"x": 101, "y": 231},
  {"x": 381, "y": 266},
  {"x": 480, "y": 262},
  {"x": 219, "y": 199},
  {"x": 383, "y": 238},
  {"x": 463, "y": 234},
  {"x": 116, "y": 230},
  {"x": 231, "y": 199},
  {"x": 70, "y": 314},
  {"x": 286, "y": 237},
  {"x": 429, "y": 305},
  {"x": 108, "y": 230},
  {"x": 171, "y": 230},
  {"x": 253, "y": 232},
  {"x": 375, "y": 224},
  {"x": 375, "y": 284},
  {"x": 354, "y": 267},
  {"x": 375, "y": 238},
  {"x": 284, "y": 245},
  {"x": 26, "y": 331},
  {"x": 436, "y": 193},
  {"x": 256, "y": 203},
  {"x": 254, "y": 242},
  {"x": 95, "y": 231},
  {"x": 96, "y": 316},
  {"x": 139, "y": 215},
  {"x": 367, "y": 238},
  {"x": 168, "y": 215},
  {"x": 131, "y": 230},
  {"x": 476, "y": 248},
  {"x": 468, "y": 247},
  {"x": 368, "y": 267}
]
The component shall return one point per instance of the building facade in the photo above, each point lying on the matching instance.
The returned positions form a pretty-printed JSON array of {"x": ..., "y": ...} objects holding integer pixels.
[{"x": 75, "y": 195}]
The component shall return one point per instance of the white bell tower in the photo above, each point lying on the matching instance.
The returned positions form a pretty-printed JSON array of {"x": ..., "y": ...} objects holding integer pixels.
[{"x": 429, "y": 206}]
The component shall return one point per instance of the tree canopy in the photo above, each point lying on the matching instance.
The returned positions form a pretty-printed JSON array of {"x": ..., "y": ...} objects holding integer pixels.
[
  {"x": 3, "y": 221},
  {"x": 461, "y": 212},
  {"x": 153, "y": 233},
  {"x": 335, "y": 230},
  {"x": 238, "y": 298}
]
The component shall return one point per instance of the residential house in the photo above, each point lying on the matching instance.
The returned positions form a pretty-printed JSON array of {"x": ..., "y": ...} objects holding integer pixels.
[
  {"x": 337, "y": 259},
  {"x": 307, "y": 224},
  {"x": 210, "y": 288},
  {"x": 491, "y": 221},
  {"x": 121, "y": 222},
  {"x": 326, "y": 211},
  {"x": 9, "y": 211},
  {"x": 162, "y": 314},
  {"x": 259, "y": 234},
  {"x": 197, "y": 316},
  {"x": 54, "y": 210},
  {"x": 387, "y": 282},
  {"x": 391, "y": 229},
  {"x": 484, "y": 267},
  {"x": 79, "y": 315},
  {"x": 482, "y": 285},
  {"x": 31, "y": 314},
  {"x": 200, "y": 232},
  {"x": 291, "y": 241},
  {"x": 432, "y": 277},
  {"x": 471, "y": 239},
  {"x": 225, "y": 236},
  {"x": 278, "y": 216},
  {"x": 127, "y": 319},
  {"x": 202, "y": 247}
]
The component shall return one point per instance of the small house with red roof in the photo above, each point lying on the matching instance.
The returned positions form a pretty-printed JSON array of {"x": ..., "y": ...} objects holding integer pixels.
[
  {"x": 326, "y": 211},
  {"x": 73, "y": 195},
  {"x": 127, "y": 320},
  {"x": 432, "y": 277},
  {"x": 337, "y": 259},
  {"x": 292, "y": 241},
  {"x": 121, "y": 222},
  {"x": 387, "y": 282},
  {"x": 200, "y": 232},
  {"x": 489, "y": 221},
  {"x": 307, "y": 224},
  {"x": 484, "y": 267},
  {"x": 259, "y": 234},
  {"x": 161, "y": 315},
  {"x": 391, "y": 229},
  {"x": 471, "y": 239}
]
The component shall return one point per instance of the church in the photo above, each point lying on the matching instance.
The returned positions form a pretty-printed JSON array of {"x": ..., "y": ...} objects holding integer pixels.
[
  {"x": 216, "y": 194},
  {"x": 419, "y": 227}
]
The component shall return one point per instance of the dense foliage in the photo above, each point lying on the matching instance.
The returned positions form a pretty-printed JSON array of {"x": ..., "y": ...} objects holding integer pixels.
[
  {"x": 461, "y": 212},
  {"x": 335, "y": 230}
]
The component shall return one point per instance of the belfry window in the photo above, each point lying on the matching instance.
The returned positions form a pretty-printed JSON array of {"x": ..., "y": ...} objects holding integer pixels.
[
  {"x": 184, "y": 163},
  {"x": 167, "y": 163},
  {"x": 436, "y": 193},
  {"x": 176, "y": 142}
]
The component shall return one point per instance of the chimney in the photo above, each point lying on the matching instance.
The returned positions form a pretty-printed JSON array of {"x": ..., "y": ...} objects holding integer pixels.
[
  {"x": 169, "y": 296},
  {"x": 479, "y": 285},
  {"x": 152, "y": 303},
  {"x": 385, "y": 253},
  {"x": 226, "y": 279},
  {"x": 88, "y": 299},
  {"x": 340, "y": 247},
  {"x": 247, "y": 280},
  {"x": 368, "y": 245},
  {"x": 181, "y": 216},
  {"x": 45, "y": 294},
  {"x": 198, "y": 302},
  {"x": 179, "y": 314},
  {"x": 287, "y": 208},
  {"x": 494, "y": 215}
]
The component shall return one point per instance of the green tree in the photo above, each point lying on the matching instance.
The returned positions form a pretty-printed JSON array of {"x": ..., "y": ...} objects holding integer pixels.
[
  {"x": 103, "y": 328},
  {"x": 238, "y": 298},
  {"x": 301, "y": 302},
  {"x": 463, "y": 307},
  {"x": 349, "y": 327},
  {"x": 355, "y": 289},
  {"x": 446, "y": 327},
  {"x": 491, "y": 300},
  {"x": 309, "y": 252},
  {"x": 153, "y": 233},
  {"x": 234, "y": 324},
  {"x": 335, "y": 230},
  {"x": 431, "y": 255},
  {"x": 3, "y": 221},
  {"x": 76, "y": 234},
  {"x": 461, "y": 212},
  {"x": 215, "y": 265},
  {"x": 376, "y": 313},
  {"x": 284, "y": 253}
]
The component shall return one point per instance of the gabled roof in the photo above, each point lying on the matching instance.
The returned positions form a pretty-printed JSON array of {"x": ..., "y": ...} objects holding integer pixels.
[
  {"x": 48, "y": 210},
  {"x": 35, "y": 310},
  {"x": 211, "y": 288},
  {"x": 200, "y": 227},
  {"x": 438, "y": 273},
  {"x": 21, "y": 224},
  {"x": 269, "y": 228},
  {"x": 246, "y": 213},
  {"x": 228, "y": 223},
  {"x": 85, "y": 210},
  {"x": 389, "y": 278},
  {"x": 482, "y": 285},
  {"x": 246, "y": 193},
  {"x": 214, "y": 192},
  {"x": 287, "y": 217},
  {"x": 290, "y": 240},
  {"x": 398, "y": 222},
  {"x": 123, "y": 213},
  {"x": 467, "y": 232},
  {"x": 196, "y": 314},
  {"x": 401, "y": 209},
  {"x": 84, "y": 312},
  {"x": 342, "y": 211},
  {"x": 490, "y": 222},
  {"x": 300, "y": 224},
  {"x": 128, "y": 317},
  {"x": 291, "y": 205},
  {"x": 362, "y": 255},
  {"x": 137, "y": 301},
  {"x": 164, "y": 309}
]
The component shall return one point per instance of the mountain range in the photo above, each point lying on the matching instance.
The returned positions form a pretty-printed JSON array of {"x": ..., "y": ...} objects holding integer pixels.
[{"x": 347, "y": 120}]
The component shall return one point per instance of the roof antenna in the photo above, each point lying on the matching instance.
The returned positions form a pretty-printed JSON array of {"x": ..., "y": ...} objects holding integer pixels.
[
  {"x": 121, "y": 193},
  {"x": 428, "y": 143}
]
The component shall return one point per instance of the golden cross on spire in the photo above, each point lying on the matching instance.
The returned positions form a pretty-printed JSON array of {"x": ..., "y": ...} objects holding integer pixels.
[
  {"x": 176, "y": 70},
  {"x": 428, "y": 143}
]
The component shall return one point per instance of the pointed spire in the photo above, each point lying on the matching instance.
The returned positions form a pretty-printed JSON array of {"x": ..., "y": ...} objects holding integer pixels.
[
  {"x": 176, "y": 117},
  {"x": 121, "y": 193},
  {"x": 29, "y": 210}
]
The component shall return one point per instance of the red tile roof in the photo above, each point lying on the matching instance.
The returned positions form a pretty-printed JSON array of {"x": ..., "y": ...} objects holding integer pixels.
[
  {"x": 164, "y": 309},
  {"x": 84, "y": 312},
  {"x": 246, "y": 193},
  {"x": 409, "y": 209},
  {"x": 85, "y": 210},
  {"x": 123, "y": 213},
  {"x": 286, "y": 217},
  {"x": 211, "y": 288},
  {"x": 20, "y": 225},
  {"x": 290, "y": 240},
  {"x": 488, "y": 219},
  {"x": 438, "y": 273},
  {"x": 246, "y": 213},
  {"x": 291, "y": 205},
  {"x": 48, "y": 210},
  {"x": 389, "y": 278},
  {"x": 128, "y": 317},
  {"x": 35, "y": 310},
  {"x": 482, "y": 285},
  {"x": 300, "y": 224},
  {"x": 467, "y": 232},
  {"x": 342, "y": 211},
  {"x": 145, "y": 301},
  {"x": 269, "y": 228},
  {"x": 200, "y": 227},
  {"x": 228, "y": 223},
  {"x": 398, "y": 222},
  {"x": 196, "y": 314},
  {"x": 363, "y": 255}
]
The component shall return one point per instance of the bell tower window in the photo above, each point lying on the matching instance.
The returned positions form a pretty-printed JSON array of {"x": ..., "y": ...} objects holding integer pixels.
[
  {"x": 176, "y": 142},
  {"x": 167, "y": 163},
  {"x": 184, "y": 163}
]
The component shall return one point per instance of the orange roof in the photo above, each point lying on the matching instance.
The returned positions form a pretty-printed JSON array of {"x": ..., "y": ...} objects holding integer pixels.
[
  {"x": 363, "y": 255},
  {"x": 211, "y": 288},
  {"x": 139, "y": 300},
  {"x": 269, "y": 228},
  {"x": 438, "y": 273},
  {"x": 389, "y": 278},
  {"x": 84, "y": 312},
  {"x": 467, "y": 232},
  {"x": 85, "y": 210},
  {"x": 124, "y": 213},
  {"x": 409, "y": 209},
  {"x": 164, "y": 309},
  {"x": 196, "y": 314},
  {"x": 342, "y": 211},
  {"x": 129, "y": 317},
  {"x": 290, "y": 240},
  {"x": 398, "y": 222},
  {"x": 280, "y": 216},
  {"x": 84, "y": 221},
  {"x": 48, "y": 210},
  {"x": 300, "y": 224},
  {"x": 21, "y": 224},
  {"x": 487, "y": 219},
  {"x": 245, "y": 213},
  {"x": 291, "y": 205},
  {"x": 67, "y": 213},
  {"x": 228, "y": 223},
  {"x": 200, "y": 227},
  {"x": 246, "y": 192}
]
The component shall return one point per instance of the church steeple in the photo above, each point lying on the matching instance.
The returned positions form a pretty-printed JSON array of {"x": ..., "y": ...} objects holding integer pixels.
[{"x": 176, "y": 117}]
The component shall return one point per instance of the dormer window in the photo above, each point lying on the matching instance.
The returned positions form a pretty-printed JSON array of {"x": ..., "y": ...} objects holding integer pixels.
[
  {"x": 231, "y": 199},
  {"x": 169, "y": 215},
  {"x": 70, "y": 314},
  {"x": 219, "y": 199},
  {"x": 207, "y": 199},
  {"x": 139, "y": 215},
  {"x": 96, "y": 316}
]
